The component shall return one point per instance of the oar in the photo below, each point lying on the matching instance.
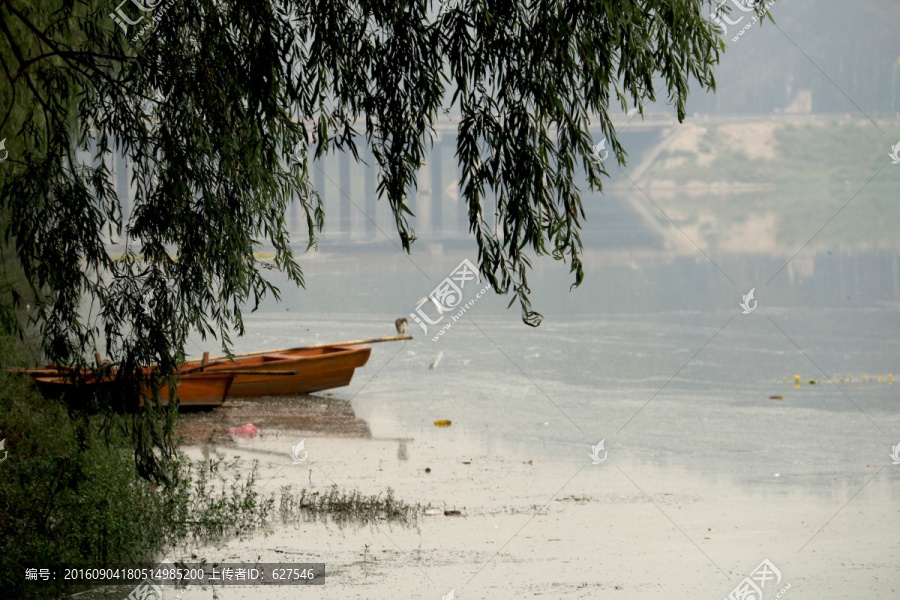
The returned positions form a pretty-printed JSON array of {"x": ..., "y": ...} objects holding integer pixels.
[
  {"x": 52, "y": 370},
  {"x": 249, "y": 372},
  {"x": 392, "y": 338},
  {"x": 35, "y": 371},
  {"x": 42, "y": 372},
  {"x": 202, "y": 366}
]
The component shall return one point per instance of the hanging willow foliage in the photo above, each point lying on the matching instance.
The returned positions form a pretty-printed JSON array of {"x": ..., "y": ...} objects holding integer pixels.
[{"x": 207, "y": 98}]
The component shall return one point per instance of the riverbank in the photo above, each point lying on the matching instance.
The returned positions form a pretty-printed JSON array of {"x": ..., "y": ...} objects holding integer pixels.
[
  {"x": 551, "y": 528},
  {"x": 756, "y": 186},
  {"x": 824, "y": 152}
]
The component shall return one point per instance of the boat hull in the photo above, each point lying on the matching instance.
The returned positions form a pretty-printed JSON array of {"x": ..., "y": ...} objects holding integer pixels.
[
  {"x": 307, "y": 370},
  {"x": 200, "y": 389}
]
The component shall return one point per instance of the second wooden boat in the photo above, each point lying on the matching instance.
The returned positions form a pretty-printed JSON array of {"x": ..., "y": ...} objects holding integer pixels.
[
  {"x": 290, "y": 371},
  {"x": 195, "y": 389}
]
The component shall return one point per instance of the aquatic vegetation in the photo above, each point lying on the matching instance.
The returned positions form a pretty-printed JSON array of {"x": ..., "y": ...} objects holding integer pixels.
[{"x": 344, "y": 507}]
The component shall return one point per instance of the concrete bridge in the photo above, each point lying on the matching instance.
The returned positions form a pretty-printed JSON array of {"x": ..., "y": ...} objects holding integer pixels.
[
  {"x": 354, "y": 214},
  {"x": 348, "y": 189}
]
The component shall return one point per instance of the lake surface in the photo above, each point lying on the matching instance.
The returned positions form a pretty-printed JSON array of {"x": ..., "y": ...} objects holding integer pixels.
[{"x": 716, "y": 455}]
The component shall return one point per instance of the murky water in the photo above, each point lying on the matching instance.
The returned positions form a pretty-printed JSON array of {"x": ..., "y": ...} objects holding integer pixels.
[{"x": 715, "y": 455}]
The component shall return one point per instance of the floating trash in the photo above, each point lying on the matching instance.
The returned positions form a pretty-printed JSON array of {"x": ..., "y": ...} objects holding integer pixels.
[
  {"x": 865, "y": 379},
  {"x": 442, "y": 423},
  {"x": 244, "y": 431}
]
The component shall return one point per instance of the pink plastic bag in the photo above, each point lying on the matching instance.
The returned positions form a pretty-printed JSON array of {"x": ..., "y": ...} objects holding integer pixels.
[{"x": 245, "y": 431}]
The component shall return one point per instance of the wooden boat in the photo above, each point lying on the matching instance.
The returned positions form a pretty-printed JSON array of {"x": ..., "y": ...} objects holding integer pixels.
[
  {"x": 207, "y": 382},
  {"x": 288, "y": 371},
  {"x": 196, "y": 389}
]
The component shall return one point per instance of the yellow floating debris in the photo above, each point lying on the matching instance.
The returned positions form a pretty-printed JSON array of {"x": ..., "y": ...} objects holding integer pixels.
[
  {"x": 864, "y": 378},
  {"x": 775, "y": 398},
  {"x": 442, "y": 423}
]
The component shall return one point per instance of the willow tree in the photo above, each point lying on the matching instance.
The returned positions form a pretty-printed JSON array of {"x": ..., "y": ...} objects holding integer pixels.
[{"x": 207, "y": 98}]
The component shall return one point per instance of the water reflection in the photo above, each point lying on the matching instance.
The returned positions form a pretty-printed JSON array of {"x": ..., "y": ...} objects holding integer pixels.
[{"x": 315, "y": 414}]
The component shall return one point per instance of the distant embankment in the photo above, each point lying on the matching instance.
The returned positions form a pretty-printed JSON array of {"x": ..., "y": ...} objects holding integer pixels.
[
  {"x": 765, "y": 184},
  {"x": 739, "y": 154}
]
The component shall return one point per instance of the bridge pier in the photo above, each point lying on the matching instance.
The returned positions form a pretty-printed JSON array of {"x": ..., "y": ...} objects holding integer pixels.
[
  {"x": 437, "y": 188},
  {"x": 344, "y": 191},
  {"x": 371, "y": 194}
]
